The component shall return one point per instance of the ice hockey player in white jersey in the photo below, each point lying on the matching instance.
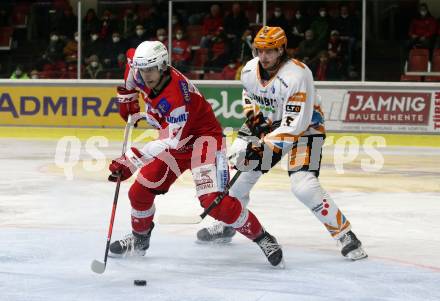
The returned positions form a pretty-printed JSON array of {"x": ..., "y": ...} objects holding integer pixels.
[{"x": 280, "y": 105}]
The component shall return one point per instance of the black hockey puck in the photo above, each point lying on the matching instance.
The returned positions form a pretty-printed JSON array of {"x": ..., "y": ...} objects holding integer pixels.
[{"x": 140, "y": 282}]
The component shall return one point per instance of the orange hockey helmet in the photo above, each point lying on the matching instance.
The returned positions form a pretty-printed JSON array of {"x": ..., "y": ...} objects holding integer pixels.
[{"x": 270, "y": 38}]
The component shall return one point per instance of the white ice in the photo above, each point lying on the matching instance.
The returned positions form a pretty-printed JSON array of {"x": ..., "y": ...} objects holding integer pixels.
[{"x": 52, "y": 228}]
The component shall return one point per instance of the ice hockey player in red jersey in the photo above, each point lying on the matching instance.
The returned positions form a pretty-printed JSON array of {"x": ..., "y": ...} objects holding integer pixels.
[{"x": 190, "y": 137}]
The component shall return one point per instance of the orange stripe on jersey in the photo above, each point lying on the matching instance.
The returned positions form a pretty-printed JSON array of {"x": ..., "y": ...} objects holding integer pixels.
[
  {"x": 298, "y": 97},
  {"x": 299, "y": 63},
  {"x": 299, "y": 156}
]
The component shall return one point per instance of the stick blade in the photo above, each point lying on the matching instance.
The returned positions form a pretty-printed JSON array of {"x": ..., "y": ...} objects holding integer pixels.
[
  {"x": 97, "y": 266},
  {"x": 178, "y": 219}
]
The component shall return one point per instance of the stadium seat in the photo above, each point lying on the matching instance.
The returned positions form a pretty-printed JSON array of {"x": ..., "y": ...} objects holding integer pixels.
[
  {"x": 194, "y": 35},
  {"x": 192, "y": 75},
  {"x": 200, "y": 58},
  {"x": 6, "y": 37},
  {"x": 435, "y": 67},
  {"x": 213, "y": 75},
  {"x": 418, "y": 60},
  {"x": 410, "y": 78}
]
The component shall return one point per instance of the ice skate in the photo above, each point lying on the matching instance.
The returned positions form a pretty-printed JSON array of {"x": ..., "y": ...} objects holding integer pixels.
[
  {"x": 133, "y": 244},
  {"x": 217, "y": 233},
  {"x": 271, "y": 249},
  {"x": 351, "y": 247}
]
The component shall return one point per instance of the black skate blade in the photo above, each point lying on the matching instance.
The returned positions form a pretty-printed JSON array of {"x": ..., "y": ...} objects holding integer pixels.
[{"x": 97, "y": 267}]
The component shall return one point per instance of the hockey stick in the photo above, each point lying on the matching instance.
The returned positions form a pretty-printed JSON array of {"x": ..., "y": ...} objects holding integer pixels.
[
  {"x": 98, "y": 266},
  {"x": 176, "y": 219}
]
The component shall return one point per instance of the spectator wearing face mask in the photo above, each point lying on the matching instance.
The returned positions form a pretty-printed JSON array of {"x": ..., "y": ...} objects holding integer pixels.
[
  {"x": 219, "y": 50},
  {"x": 162, "y": 36},
  {"x": 325, "y": 68},
  {"x": 297, "y": 29},
  {"x": 94, "y": 45},
  {"x": 422, "y": 29},
  {"x": 19, "y": 73},
  {"x": 94, "y": 69},
  {"x": 181, "y": 52},
  {"x": 90, "y": 22},
  {"x": 246, "y": 46},
  {"x": 278, "y": 19},
  {"x": 321, "y": 27},
  {"x": 115, "y": 46},
  {"x": 138, "y": 37},
  {"x": 54, "y": 51}
]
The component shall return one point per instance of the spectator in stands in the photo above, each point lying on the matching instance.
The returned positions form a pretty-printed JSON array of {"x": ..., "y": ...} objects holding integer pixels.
[
  {"x": 321, "y": 28},
  {"x": 218, "y": 54},
  {"x": 235, "y": 23},
  {"x": 335, "y": 45},
  {"x": 230, "y": 70},
  {"x": 309, "y": 48},
  {"x": 71, "y": 49},
  {"x": 246, "y": 46},
  {"x": 347, "y": 26},
  {"x": 298, "y": 27},
  {"x": 90, "y": 22},
  {"x": 129, "y": 22},
  {"x": 139, "y": 36},
  {"x": 54, "y": 51},
  {"x": 181, "y": 52},
  {"x": 325, "y": 68},
  {"x": 19, "y": 73},
  {"x": 211, "y": 23},
  {"x": 94, "y": 69},
  {"x": 153, "y": 22},
  {"x": 177, "y": 22},
  {"x": 161, "y": 35},
  {"x": 94, "y": 46},
  {"x": 278, "y": 19},
  {"x": 115, "y": 47},
  {"x": 66, "y": 22},
  {"x": 34, "y": 74},
  {"x": 422, "y": 29},
  {"x": 108, "y": 25}
]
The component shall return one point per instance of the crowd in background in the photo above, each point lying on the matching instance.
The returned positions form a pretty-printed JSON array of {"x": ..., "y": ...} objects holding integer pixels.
[{"x": 210, "y": 41}]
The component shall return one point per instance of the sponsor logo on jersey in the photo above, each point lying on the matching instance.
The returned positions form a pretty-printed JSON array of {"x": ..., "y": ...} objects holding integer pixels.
[
  {"x": 185, "y": 90},
  {"x": 163, "y": 106},
  {"x": 293, "y": 108},
  {"x": 204, "y": 181},
  {"x": 282, "y": 81},
  {"x": 264, "y": 101},
  {"x": 177, "y": 119},
  {"x": 298, "y": 97},
  {"x": 246, "y": 71}
]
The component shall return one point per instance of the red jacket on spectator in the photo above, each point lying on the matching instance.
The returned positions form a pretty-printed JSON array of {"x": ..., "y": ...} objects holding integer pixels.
[
  {"x": 181, "y": 50},
  {"x": 211, "y": 24},
  {"x": 425, "y": 27}
]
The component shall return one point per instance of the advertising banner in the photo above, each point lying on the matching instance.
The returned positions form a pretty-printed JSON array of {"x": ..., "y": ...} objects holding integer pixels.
[
  {"x": 386, "y": 108},
  {"x": 92, "y": 106}
]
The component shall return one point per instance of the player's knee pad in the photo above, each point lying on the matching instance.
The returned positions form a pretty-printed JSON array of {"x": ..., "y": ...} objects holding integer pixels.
[
  {"x": 230, "y": 211},
  {"x": 306, "y": 187},
  {"x": 141, "y": 198}
]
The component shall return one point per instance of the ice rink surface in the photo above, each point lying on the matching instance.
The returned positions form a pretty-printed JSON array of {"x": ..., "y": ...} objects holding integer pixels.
[{"x": 51, "y": 228}]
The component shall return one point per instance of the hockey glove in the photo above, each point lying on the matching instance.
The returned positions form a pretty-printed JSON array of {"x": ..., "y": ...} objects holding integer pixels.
[
  {"x": 254, "y": 153},
  {"x": 126, "y": 165},
  {"x": 257, "y": 124},
  {"x": 128, "y": 102}
]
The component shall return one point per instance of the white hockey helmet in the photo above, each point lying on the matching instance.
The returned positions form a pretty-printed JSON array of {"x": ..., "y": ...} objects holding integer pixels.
[{"x": 150, "y": 54}]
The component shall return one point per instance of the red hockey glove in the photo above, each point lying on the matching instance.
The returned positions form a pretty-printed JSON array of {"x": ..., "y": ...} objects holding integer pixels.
[
  {"x": 128, "y": 102},
  {"x": 126, "y": 165}
]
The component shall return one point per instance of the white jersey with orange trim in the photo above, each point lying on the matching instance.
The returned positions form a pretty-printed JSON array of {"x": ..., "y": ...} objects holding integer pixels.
[{"x": 288, "y": 98}]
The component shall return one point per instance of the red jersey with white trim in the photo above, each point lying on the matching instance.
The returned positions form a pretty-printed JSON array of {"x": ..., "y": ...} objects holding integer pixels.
[{"x": 180, "y": 113}]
